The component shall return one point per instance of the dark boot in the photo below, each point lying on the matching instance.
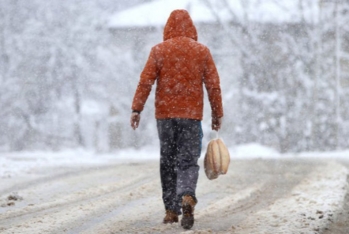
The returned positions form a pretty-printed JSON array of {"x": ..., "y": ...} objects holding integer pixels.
[
  {"x": 188, "y": 204},
  {"x": 171, "y": 217}
]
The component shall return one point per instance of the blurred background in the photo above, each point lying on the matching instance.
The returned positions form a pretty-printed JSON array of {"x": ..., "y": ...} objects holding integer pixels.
[{"x": 69, "y": 69}]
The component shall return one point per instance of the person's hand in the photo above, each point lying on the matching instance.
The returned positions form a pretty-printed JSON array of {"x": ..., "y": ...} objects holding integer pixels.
[
  {"x": 135, "y": 118},
  {"x": 216, "y": 123}
]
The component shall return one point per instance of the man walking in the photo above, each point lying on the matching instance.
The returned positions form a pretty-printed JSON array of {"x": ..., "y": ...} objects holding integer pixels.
[{"x": 180, "y": 66}]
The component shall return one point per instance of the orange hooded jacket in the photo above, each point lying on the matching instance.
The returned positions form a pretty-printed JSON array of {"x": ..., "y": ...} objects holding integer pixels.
[{"x": 181, "y": 66}]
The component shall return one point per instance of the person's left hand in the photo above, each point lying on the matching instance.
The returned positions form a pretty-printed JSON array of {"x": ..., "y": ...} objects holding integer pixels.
[{"x": 135, "y": 118}]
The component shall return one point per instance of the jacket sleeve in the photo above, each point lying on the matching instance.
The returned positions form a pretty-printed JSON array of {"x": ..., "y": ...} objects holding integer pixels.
[
  {"x": 212, "y": 84},
  {"x": 147, "y": 79}
]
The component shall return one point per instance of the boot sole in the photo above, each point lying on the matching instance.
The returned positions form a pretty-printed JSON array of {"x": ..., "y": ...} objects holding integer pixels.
[{"x": 187, "y": 221}]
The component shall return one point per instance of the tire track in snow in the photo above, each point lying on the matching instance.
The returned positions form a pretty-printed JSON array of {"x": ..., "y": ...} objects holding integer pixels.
[
  {"x": 52, "y": 175},
  {"x": 222, "y": 203},
  {"x": 70, "y": 215},
  {"x": 84, "y": 198},
  {"x": 138, "y": 220},
  {"x": 146, "y": 213}
]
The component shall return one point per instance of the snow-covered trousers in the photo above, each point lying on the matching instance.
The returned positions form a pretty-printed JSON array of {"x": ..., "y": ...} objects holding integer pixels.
[{"x": 180, "y": 146}]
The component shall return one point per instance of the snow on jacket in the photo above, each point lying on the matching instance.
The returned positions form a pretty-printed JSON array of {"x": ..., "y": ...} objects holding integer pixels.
[{"x": 181, "y": 66}]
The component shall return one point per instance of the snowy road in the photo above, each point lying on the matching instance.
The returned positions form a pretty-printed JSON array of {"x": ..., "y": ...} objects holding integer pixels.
[{"x": 256, "y": 196}]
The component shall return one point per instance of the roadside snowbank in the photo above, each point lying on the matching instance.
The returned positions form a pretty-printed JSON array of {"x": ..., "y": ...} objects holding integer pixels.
[
  {"x": 253, "y": 150},
  {"x": 19, "y": 163},
  {"x": 312, "y": 206}
]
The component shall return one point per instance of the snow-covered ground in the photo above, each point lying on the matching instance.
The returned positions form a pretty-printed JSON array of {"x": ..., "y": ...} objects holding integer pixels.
[{"x": 263, "y": 192}]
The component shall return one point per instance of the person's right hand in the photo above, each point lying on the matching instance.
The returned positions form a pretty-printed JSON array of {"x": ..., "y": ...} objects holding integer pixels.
[
  {"x": 216, "y": 123},
  {"x": 135, "y": 118}
]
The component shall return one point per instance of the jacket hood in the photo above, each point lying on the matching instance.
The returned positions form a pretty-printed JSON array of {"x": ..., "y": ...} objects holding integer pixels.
[{"x": 180, "y": 24}]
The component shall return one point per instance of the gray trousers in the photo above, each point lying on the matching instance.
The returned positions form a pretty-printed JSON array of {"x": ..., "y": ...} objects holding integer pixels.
[{"x": 180, "y": 145}]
